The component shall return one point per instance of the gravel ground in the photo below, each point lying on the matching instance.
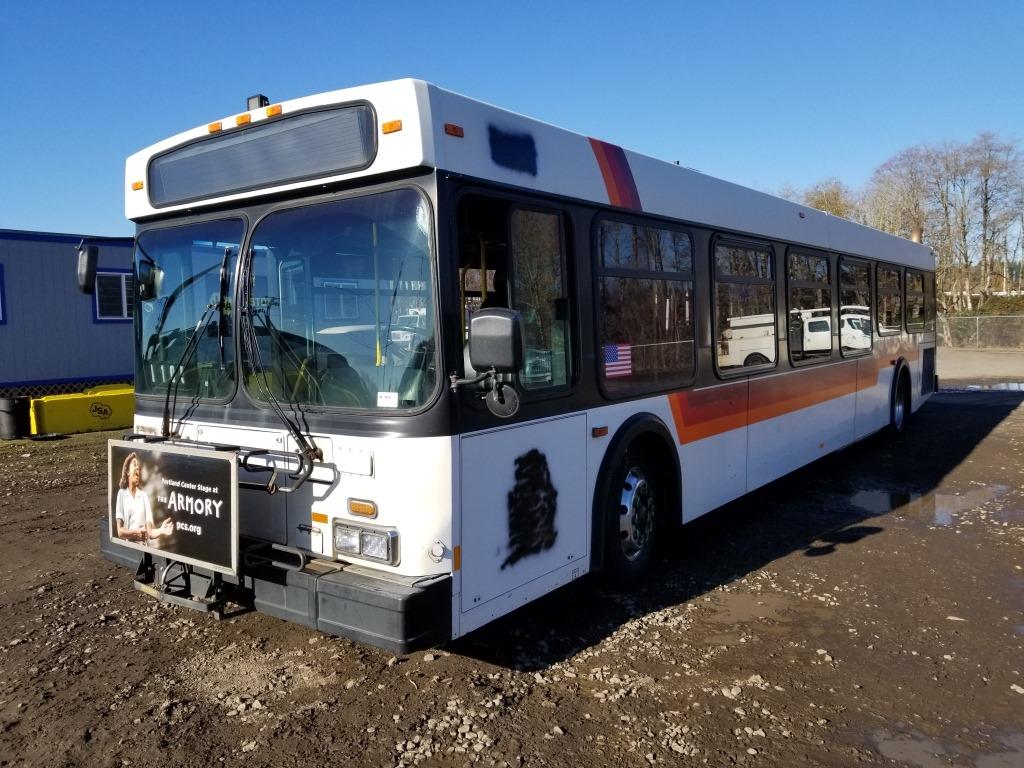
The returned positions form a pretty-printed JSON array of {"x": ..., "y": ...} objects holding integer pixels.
[{"x": 865, "y": 610}]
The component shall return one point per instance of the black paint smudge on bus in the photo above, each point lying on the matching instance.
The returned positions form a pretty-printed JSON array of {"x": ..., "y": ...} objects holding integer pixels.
[{"x": 532, "y": 504}]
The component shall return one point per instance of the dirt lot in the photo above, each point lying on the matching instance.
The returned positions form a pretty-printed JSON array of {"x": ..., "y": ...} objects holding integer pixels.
[{"x": 867, "y": 610}]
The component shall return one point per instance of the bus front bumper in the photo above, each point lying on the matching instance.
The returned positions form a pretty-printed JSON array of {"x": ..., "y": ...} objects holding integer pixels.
[{"x": 397, "y": 615}]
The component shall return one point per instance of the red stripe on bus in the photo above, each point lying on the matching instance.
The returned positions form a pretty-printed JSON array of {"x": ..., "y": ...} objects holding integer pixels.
[
  {"x": 707, "y": 412},
  {"x": 618, "y": 178}
]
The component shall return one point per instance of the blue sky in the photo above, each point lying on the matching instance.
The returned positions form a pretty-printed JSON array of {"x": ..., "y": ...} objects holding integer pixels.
[{"x": 760, "y": 93}]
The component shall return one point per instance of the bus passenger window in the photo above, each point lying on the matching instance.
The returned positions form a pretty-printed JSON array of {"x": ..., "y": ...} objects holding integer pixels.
[
  {"x": 810, "y": 308},
  {"x": 890, "y": 301},
  {"x": 646, "y": 307},
  {"x": 744, "y": 307},
  {"x": 915, "y": 301},
  {"x": 854, "y": 307}
]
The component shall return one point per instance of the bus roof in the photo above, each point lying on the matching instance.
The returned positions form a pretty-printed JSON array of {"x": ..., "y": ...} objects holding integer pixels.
[{"x": 444, "y": 130}]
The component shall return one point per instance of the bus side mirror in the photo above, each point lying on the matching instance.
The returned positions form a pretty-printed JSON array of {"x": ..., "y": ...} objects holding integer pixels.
[
  {"x": 87, "y": 256},
  {"x": 150, "y": 279},
  {"x": 496, "y": 340}
]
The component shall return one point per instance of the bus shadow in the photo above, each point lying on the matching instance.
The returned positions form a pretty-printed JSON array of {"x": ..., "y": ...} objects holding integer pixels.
[{"x": 836, "y": 502}]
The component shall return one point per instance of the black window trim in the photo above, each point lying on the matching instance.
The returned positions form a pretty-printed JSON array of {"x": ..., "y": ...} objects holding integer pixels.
[
  {"x": 865, "y": 262},
  {"x": 798, "y": 250},
  {"x": 898, "y": 292},
  {"x": 716, "y": 240},
  {"x": 598, "y": 271}
]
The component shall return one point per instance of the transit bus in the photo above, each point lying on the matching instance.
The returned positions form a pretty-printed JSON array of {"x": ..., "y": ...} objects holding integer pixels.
[{"x": 406, "y": 361}]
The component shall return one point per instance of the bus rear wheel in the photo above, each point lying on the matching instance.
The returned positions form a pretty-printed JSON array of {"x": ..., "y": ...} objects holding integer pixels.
[
  {"x": 899, "y": 409},
  {"x": 632, "y": 513}
]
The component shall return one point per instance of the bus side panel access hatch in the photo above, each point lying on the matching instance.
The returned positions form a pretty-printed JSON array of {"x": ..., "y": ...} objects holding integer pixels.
[
  {"x": 176, "y": 502},
  {"x": 524, "y": 514}
]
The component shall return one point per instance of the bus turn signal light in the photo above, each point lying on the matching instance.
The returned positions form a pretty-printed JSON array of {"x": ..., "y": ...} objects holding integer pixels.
[
  {"x": 214, "y": 127},
  {"x": 362, "y": 508},
  {"x": 274, "y": 111},
  {"x": 392, "y": 126},
  {"x": 137, "y": 185},
  {"x": 454, "y": 130}
]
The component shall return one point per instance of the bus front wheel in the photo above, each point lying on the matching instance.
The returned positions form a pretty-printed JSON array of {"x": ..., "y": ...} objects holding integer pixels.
[{"x": 632, "y": 515}]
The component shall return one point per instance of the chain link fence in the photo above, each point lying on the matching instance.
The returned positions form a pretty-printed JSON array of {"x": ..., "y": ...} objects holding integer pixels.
[{"x": 982, "y": 332}]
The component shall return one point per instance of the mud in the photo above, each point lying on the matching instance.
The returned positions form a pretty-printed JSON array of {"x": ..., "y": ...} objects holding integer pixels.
[{"x": 868, "y": 610}]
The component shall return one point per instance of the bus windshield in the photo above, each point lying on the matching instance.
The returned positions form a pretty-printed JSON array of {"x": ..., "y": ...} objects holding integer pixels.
[
  {"x": 179, "y": 328},
  {"x": 341, "y": 303}
]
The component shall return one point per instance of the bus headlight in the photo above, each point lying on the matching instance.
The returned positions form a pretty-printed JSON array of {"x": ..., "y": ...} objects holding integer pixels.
[{"x": 369, "y": 544}]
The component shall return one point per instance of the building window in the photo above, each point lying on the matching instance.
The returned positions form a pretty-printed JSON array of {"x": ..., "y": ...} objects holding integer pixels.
[
  {"x": 646, "y": 307},
  {"x": 114, "y": 296},
  {"x": 3, "y": 298},
  {"x": 854, "y": 307},
  {"x": 810, "y": 308},
  {"x": 744, "y": 311},
  {"x": 890, "y": 300},
  {"x": 916, "y": 318}
]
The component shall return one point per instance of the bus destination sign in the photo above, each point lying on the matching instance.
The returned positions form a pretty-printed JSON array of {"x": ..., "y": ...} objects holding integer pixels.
[{"x": 175, "y": 502}]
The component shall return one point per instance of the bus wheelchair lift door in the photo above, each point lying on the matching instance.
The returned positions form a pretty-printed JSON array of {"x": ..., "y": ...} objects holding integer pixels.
[{"x": 524, "y": 514}]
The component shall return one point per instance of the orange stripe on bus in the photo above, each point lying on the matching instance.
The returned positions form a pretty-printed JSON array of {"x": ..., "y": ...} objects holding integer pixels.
[{"x": 707, "y": 412}]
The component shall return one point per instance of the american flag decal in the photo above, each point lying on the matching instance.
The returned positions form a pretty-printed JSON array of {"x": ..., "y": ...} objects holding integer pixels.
[{"x": 618, "y": 360}]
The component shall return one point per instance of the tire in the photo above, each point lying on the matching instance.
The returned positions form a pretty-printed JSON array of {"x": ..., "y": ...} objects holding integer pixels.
[
  {"x": 633, "y": 512},
  {"x": 756, "y": 358},
  {"x": 899, "y": 408}
]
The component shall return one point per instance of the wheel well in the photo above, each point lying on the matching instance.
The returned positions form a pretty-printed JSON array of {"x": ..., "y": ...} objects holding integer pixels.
[
  {"x": 648, "y": 433},
  {"x": 902, "y": 372}
]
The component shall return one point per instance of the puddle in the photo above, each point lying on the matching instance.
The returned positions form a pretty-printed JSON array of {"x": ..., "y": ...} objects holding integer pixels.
[
  {"x": 740, "y": 608},
  {"x": 1014, "y": 386},
  {"x": 939, "y": 508},
  {"x": 1011, "y": 386},
  {"x": 913, "y": 748},
  {"x": 919, "y": 751}
]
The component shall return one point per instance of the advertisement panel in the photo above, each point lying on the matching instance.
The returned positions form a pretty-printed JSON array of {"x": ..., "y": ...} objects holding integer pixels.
[{"x": 176, "y": 502}]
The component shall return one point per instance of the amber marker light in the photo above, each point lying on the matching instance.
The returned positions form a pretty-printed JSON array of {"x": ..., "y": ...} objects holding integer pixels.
[
  {"x": 599, "y": 431},
  {"x": 243, "y": 119},
  {"x": 136, "y": 185},
  {"x": 454, "y": 130},
  {"x": 362, "y": 508},
  {"x": 392, "y": 126},
  {"x": 274, "y": 111},
  {"x": 214, "y": 127}
]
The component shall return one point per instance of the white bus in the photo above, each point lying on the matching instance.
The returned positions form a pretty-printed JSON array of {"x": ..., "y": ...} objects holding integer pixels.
[{"x": 451, "y": 358}]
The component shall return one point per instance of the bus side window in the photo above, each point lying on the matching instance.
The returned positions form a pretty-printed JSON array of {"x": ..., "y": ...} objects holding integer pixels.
[
  {"x": 538, "y": 292},
  {"x": 854, "y": 307},
  {"x": 810, "y": 308},
  {"x": 744, "y": 298}
]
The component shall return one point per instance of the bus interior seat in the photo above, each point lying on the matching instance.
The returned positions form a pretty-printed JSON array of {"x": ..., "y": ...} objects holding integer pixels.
[{"x": 341, "y": 385}]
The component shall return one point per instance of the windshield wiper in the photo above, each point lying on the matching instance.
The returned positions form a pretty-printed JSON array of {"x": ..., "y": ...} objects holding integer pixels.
[
  {"x": 191, "y": 345},
  {"x": 220, "y": 303},
  {"x": 307, "y": 451}
]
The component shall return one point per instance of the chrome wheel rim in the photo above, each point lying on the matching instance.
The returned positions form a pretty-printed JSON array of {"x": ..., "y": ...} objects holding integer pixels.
[{"x": 637, "y": 510}]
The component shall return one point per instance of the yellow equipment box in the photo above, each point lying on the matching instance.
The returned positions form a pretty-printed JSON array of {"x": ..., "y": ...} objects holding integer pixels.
[{"x": 108, "y": 407}]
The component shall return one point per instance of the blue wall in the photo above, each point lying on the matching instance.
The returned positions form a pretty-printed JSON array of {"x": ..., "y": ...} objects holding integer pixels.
[{"x": 49, "y": 331}]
